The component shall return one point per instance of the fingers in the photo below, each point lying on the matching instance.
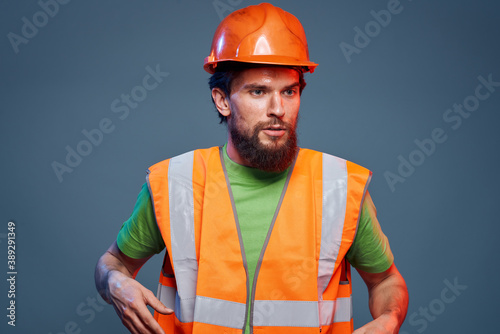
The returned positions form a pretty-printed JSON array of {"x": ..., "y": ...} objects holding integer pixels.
[
  {"x": 137, "y": 318},
  {"x": 141, "y": 322},
  {"x": 130, "y": 321},
  {"x": 156, "y": 304},
  {"x": 130, "y": 300}
]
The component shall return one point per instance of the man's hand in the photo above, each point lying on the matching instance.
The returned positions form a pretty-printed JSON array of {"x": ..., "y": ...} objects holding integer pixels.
[
  {"x": 382, "y": 325},
  {"x": 130, "y": 300},
  {"x": 114, "y": 278}
]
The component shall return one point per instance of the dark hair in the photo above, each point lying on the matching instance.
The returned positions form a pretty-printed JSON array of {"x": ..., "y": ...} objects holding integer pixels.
[{"x": 226, "y": 72}]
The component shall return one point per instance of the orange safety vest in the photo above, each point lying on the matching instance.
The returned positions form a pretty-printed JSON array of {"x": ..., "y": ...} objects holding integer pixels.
[{"x": 302, "y": 282}]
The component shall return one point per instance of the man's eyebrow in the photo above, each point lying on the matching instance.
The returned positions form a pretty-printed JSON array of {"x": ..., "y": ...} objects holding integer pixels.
[{"x": 296, "y": 84}]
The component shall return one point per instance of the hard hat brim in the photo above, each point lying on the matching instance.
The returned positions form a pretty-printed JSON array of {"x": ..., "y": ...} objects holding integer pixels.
[{"x": 307, "y": 66}]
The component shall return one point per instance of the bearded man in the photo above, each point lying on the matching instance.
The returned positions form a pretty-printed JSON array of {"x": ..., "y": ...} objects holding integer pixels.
[{"x": 259, "y": 233}]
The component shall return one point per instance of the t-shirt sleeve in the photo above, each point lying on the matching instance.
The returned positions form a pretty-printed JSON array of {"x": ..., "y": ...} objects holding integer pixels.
[
  {"x": 139, "y": 236},
  {"x": 370, "y": 250}
]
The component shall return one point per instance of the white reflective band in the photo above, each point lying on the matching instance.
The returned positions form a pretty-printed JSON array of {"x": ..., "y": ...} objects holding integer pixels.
[
  {"x": 339, "y": 310},
  {"x": 184, "y": 308},
  {"x": 180, "y": 194},
  {"x": 333, "y": 215},
  {"x": 166, "y": 294},
  {"x": 285, "y": 313},
  {"x": 219, "y": 312}
]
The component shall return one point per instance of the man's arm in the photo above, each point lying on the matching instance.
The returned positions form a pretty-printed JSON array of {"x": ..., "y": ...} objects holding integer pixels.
[
  {"x": 114, "y": 279},
  {"x": 388, "y": 301}
]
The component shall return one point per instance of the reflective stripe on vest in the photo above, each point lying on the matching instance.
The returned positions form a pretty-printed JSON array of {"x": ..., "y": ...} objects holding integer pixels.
[
  {"x": 339, "y": 310},
  {"x": 219, "y": 312},
  {"x": 332, "y": 225},
  {"x": 166, "y": 294},
  {"x": 180, "y": 195},
  {"x": 268, "y": 312},
  {"x": 190, "y": 307}
]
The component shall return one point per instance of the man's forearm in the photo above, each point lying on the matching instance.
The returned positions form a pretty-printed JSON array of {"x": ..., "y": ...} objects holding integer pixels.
[
  {"x": 115, "y": 260},
  {"x": 389, "y": 300},
  {"x": 107, "y": 263}
]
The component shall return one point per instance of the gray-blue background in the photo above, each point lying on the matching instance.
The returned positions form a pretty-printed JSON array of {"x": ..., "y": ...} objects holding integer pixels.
[{"x": 441, "y": 221}]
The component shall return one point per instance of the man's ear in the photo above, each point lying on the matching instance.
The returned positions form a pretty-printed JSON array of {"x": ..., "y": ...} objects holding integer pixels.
[{"x": 221, "y": 101}]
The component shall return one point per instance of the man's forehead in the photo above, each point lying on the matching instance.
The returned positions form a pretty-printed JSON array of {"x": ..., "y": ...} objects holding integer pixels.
[{"x": 263, "y": 75}]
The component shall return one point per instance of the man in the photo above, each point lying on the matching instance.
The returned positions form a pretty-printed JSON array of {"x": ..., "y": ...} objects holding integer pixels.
[{"x": 259, "y": 233}]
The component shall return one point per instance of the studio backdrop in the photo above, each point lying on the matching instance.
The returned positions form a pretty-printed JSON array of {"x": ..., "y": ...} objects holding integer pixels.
[{"x": 94, "y": 92}]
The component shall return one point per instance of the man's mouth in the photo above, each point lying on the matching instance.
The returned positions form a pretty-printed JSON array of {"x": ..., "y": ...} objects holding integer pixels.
[{"x": 275, "y": 130}]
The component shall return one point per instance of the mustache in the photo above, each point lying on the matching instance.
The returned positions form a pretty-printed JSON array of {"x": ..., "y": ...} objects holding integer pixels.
[{"x": 273, "y": 123}]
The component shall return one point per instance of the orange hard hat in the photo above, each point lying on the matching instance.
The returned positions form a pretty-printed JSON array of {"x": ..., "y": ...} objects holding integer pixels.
[{"x": 261, "y": 34}]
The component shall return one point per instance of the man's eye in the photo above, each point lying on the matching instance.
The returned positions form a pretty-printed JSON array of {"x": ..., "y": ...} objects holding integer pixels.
[
  {"x": 257, "y": 92},
  {"x": 290, "y": 92}
]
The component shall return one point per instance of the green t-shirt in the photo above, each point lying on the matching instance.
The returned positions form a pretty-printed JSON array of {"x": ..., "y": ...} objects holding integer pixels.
[{"x": 256, "y": 195}]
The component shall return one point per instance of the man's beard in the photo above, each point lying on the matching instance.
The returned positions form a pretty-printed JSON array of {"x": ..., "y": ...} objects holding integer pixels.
[{"x": 270, "y": 158}]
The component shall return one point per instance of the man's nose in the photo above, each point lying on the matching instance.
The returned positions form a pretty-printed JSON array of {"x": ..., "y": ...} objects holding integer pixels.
[{"x": 276, "y": 106}]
